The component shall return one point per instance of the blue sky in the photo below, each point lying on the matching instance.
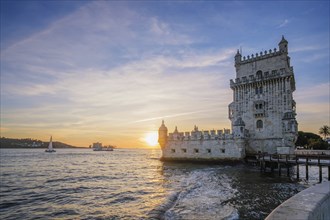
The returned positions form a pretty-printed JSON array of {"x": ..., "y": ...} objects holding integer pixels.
[{"x": 87, "y": 71}]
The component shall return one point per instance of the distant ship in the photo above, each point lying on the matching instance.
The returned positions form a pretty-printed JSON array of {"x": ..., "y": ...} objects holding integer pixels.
[
  {"x": 98, "y": 147},
  {"x": 50, "y": 146},
  {"x": 109, "y": 148}
]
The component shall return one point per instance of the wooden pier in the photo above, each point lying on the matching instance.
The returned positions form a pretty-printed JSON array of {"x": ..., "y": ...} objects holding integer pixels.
[{"x": 279, "y": 161}]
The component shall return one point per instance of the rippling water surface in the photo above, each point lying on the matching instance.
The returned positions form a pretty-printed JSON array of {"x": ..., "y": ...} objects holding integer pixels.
[{"x": 133, "y": 184}]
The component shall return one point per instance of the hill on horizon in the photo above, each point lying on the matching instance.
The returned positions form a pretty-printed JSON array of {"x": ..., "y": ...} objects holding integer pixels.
[{"x": 30, "y": 143}]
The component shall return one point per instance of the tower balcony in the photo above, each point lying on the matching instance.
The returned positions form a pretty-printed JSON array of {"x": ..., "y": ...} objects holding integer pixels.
[{"x": 259, "y": 113}]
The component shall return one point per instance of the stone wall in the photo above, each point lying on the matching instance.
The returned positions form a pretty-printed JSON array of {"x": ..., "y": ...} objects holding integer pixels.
[
  {"x": 268, "y": 145},
  {"x": 310, "y": 204},
  {"x": 205, "y": 149}
]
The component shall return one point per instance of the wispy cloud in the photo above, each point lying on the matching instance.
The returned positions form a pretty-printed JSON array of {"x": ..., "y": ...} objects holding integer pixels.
[
  {"x": 304, "y": 48},
  {"x": 284, "y": 23},
  {"x": 172, "y": 116},
  {"x": 315, "y": 57}
]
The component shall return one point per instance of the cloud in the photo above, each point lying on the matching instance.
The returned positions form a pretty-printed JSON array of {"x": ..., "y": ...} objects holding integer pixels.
[
  {"x": 306, "y": 48},
  {"x": 315, "y": 57},
  {"x": 159, "y": 28},
  {"x": 284, "y": 23},
  {"x": 171, "y": 116}
]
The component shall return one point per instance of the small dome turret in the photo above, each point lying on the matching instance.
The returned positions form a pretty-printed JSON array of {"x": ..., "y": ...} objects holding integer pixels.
[
  {"x": 163, "y": 127},
  {"x": 238, "y": 57},
  {"x": 283, "y": 45},
  {"x": 283, "y": 40},
  {"x": 162, "y": 135}
]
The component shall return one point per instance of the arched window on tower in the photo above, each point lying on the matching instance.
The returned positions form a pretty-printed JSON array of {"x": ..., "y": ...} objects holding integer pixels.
[
  {"x": 259, "y": 90},
  {"x": 259, "y": 124},
  {"x": 259, "y": 74}
]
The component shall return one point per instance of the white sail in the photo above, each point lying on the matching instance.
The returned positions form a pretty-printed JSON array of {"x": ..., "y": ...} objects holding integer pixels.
[{"x": 50, "y": 146}]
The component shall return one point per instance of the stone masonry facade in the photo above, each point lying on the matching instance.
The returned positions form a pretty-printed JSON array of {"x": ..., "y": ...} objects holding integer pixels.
[{"x": 262, "y": 113}]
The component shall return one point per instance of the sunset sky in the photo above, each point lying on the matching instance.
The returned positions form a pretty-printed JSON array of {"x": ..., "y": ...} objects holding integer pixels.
[{"x": 108, "y": 71}]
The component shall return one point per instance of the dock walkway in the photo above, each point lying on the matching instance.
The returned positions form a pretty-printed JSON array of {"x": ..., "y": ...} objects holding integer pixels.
[{"x": 279, "y": 161}]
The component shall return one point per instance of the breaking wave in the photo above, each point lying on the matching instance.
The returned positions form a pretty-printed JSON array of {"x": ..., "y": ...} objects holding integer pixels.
[{"x": 203, "y": 194}]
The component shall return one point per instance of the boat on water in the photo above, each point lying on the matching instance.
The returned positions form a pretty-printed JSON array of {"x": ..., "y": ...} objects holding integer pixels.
[
  {"x": 98, "y": 147},
  {"x": 50, "y": 148},
  {"x": 108, "y": 148}
]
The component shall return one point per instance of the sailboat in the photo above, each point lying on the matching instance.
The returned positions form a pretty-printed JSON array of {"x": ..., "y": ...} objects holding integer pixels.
[{"x": 50, "y": 146}]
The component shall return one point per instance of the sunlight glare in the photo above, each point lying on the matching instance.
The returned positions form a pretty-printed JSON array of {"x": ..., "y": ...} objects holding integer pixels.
[{"x": 151, "y": 138}]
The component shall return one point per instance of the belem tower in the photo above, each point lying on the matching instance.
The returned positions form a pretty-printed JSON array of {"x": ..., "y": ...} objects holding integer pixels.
[{"x": 262, "y": 114}]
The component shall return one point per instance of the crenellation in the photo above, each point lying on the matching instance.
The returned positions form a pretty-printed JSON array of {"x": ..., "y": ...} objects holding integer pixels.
[
  {"x": 199, "y": 135},
  {"x": 260, "y": 56}
]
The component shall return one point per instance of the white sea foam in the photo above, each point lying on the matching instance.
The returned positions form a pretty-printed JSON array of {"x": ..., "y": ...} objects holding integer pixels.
[{"x": 204, "y": 195}]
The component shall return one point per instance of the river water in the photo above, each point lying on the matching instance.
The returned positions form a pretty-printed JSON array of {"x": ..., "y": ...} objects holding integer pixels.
[{"x": 134, "y": 184}]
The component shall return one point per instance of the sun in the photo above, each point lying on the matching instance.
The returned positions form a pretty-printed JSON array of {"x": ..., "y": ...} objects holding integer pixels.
[{"x": 151, "y": 138}]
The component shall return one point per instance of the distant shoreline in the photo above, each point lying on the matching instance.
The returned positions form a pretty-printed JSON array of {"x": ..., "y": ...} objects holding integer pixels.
[
  {"x": 29, "y": 143},
  {"x": 1, "y": 147}
]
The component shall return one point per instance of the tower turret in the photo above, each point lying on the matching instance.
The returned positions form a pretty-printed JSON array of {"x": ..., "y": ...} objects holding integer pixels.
[
  {"x": 239, "y": 128},
  {"x": 238, "y": 58},
  {"x": 162, "y": 135},
  {"x": 283, "y": 45}
]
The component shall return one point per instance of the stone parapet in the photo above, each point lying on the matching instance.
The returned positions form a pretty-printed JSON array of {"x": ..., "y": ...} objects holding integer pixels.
[
  {"x": 310, "y": 204},
  {"x": 253, "y": 79}
]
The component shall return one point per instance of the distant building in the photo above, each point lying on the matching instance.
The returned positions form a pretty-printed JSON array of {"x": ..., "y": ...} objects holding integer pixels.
[
  {"x": 262, "y": 113},
  {"x": 36, "y": 144}
]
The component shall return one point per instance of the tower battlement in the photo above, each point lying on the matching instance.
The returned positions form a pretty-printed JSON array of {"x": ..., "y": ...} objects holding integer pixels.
[
  {"x": 259, "y": 56},
  {"x": 200, "y": 135}
]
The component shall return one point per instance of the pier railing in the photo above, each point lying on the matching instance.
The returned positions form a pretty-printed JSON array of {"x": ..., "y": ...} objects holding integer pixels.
[{"x": 279, "y": 161}]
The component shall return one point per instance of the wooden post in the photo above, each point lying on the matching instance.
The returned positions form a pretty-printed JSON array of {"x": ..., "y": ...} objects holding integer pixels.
[
  {"x": 306, "y": 168},
  {"x": 297, "y": 168},
  {"x": 287, "y": 166},
  {"x": 329, "y": 173},
  {"x": 263, "y": 163},
  {"x": 320, "y": 169},
  {"x": 279, "y": 166},
  {"x": 260, "y": 162}
]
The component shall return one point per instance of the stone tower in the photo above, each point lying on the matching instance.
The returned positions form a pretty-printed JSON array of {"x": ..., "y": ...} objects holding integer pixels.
[
  {"x": 162, "y": 135},
  {"x": 263, "y": 101}
]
